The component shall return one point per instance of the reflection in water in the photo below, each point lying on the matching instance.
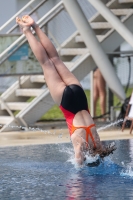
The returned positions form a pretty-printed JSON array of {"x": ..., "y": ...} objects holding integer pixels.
[
  {"x": 78, "y": 188},
  {"x": 43, "y": 172},
  {"x": 86, "y": 182}
]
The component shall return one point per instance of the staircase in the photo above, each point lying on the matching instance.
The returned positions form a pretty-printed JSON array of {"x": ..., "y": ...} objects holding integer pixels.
[{"x": 74, "y": 54}]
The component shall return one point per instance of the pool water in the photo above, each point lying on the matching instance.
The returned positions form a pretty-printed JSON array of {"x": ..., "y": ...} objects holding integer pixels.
[{"x": 41, "y": 172}]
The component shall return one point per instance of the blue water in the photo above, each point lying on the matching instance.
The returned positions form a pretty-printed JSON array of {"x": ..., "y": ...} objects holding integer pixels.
[{"x": 47, "y": 172}]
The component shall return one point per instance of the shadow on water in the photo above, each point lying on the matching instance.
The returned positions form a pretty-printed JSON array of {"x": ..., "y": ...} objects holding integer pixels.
[{"x": 47, "y": 172}]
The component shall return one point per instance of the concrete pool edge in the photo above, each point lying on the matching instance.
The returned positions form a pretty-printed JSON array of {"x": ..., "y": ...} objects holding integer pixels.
[{"x": 53, "y": 136}]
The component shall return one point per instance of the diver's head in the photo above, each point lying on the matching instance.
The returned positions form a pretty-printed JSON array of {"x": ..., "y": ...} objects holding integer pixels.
[
  {"x": 92, "y": 161},
  {"x": 94, "y": 164},
  {"x": 97, "y": 155}
]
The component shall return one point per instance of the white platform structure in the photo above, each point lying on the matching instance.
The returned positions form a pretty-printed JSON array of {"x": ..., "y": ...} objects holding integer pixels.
[{"x": 75, "y": 55}]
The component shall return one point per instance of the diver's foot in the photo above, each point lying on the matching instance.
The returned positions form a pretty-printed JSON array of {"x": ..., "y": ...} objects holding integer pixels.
[
  {"x": 24, "y": 26},
  {"x": 29, "y": 21}
]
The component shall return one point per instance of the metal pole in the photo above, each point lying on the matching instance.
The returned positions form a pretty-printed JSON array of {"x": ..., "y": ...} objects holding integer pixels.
[
  {"x": 113, "y": 20},
  {"x": 93, "y": 45}
]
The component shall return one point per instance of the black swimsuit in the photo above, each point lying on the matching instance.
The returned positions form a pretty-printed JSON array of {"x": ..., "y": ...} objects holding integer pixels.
[{"x": 73, "y": 101}]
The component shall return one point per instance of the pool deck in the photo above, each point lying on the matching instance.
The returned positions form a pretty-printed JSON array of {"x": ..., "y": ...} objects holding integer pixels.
[{"x": 55, "y": 136}]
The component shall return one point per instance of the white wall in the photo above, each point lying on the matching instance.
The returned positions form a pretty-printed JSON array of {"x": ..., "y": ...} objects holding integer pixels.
[{"x": 7, "y": 10}]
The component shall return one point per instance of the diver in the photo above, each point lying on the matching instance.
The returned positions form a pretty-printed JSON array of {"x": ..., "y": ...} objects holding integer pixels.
[{"x": 68, "y": 93}]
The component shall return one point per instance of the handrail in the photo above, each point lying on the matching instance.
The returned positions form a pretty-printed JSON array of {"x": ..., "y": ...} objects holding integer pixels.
[
  {"x": 22, "y": 39},
  {"x": 30, "y": 13},
  {"x": 14, "y": 16}
]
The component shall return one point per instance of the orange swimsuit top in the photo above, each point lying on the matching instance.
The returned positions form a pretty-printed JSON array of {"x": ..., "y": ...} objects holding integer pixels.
[{"x": 88, "y": 133}]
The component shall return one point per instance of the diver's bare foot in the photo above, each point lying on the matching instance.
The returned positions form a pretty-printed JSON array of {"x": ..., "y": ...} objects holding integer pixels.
[
  {"x": 28, "y": 20},
  {"x": 24, "y": 26}
]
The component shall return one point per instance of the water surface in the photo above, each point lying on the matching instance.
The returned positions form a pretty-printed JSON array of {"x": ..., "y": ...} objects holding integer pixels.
[{"x": 47, "y": 172}]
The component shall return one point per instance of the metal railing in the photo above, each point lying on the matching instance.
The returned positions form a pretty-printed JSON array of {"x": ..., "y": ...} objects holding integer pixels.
[
  {"x": 65, "y": 26},
  {"x": 18, "y": 13},
  {"x": 21, "y": 40},
  {"x": 29, "y": 13}
]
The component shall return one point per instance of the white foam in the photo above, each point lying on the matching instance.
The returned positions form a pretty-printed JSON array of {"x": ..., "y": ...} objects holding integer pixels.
[
  {"x": 128, "y": 171},
  {"x": 91, "y": 159}
]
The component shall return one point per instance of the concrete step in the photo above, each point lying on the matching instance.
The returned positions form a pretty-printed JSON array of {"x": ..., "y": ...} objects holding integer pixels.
[
  {"x": 73, "y": 51},
  {"x": 120, "y": 12},
  {"x": 125, "y": 1},
  {"x": 37, "y": 79},
  {"x": 68, "y": 64},
  {"x": 78, "y": 38},
  {"x": 15, "y": 105},
  {"x": 29, "y": 92},
  {"x": 100, "y": 25},
  {"x": 5, "y": 119}
]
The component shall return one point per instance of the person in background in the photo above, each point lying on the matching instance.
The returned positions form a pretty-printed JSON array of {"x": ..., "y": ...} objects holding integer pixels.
[{"x": 99, "y": 91}]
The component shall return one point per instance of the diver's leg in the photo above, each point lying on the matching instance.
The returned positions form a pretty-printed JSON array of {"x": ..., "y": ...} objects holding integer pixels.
[
  {"x": 63, "y": 71},
  {"x": 53, "y": 80}
]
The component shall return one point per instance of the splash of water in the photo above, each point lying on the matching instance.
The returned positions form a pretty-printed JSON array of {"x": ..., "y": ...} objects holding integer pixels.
[
  {"x": 128, "y": 171},
  {"x": 110, "y": 125},
  {"x": 30, "y": 129},
  {"x": 60, "y": 136},
  {"x": 91, "y": 159}
]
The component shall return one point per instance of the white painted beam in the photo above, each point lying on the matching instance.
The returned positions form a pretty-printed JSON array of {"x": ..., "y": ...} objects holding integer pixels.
[
  {"x": 73, "y": 51},
  {"x": 121, "y": 12},
  {"x": 78, "y": 38},
  {"x": 100, "y": 25},
  {"x": 69, "y": 64},
  {"x": 15, "y": 105},
  {"x": 5, "y": 119},
  {"x": 37, "y": 79},
  {"x": 29, "y": 92},
  {"x": 125, "y": 1}
]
